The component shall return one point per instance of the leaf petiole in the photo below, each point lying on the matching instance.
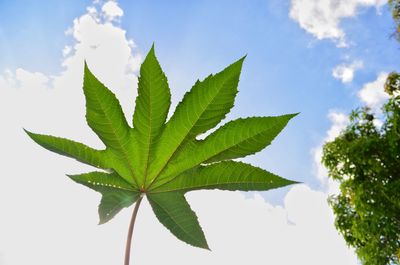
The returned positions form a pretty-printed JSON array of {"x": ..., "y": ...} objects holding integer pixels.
[{"x": 130, "y": 230}]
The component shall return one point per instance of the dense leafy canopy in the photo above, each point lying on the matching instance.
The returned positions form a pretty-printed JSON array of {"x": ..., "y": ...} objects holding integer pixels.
[
  {"x": 163, "y": 160},
  {"x": 365, "y": 160}
]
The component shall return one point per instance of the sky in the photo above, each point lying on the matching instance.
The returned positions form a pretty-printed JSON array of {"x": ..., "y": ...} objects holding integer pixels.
[{"x": 321, "y": 58}]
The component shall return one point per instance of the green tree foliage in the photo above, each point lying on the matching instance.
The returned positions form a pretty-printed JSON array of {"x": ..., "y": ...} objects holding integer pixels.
[
  {"x": 162, "y": 160},
  {"x": 365, "y": 160},
  {"x": 392, "y": 83},
  {"x": 395, "y": 7}
]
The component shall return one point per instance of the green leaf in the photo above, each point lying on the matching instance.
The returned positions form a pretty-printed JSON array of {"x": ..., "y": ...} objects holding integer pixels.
[
  {"x": 235, "y": 139},
  {"x": 163, "y": 160},
  {"x": 173, "y": 211},
  {"x": 203, "y": 107},
  {"x": 71, "y": 149},
  {"x": 116, "y": 192},
  {"x": 226, "y": 175},
  {"x": 104, "y": 115},
  {"x": 152, "y": 105}
]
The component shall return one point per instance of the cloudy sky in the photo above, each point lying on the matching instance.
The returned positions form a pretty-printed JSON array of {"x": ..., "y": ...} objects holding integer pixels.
[{"x": 318, "y": 57}]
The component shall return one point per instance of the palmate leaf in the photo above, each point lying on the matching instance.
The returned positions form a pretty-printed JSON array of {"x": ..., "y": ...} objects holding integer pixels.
[{"x": 163, "y": 160}]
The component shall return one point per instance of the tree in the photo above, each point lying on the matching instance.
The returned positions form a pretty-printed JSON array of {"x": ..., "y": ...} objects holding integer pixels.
[
  {"x": 365, "y": 159},
  {"x": 162, "y": 160}
]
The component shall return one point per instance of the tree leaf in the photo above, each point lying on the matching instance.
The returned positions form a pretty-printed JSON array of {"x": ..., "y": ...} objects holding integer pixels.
[
  {"x": 203, "y": 107},
  {"x": 152, "y": 105},
  {"x": 226, "y": 175},
  {"x": 69, "y": 148},
  {"x": 163, "y": 160},
  {"x": 173, "y": 211}
]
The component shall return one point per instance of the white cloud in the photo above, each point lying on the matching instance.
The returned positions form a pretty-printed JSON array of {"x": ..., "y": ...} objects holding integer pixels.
[
  {"x": 112, "y": 10},
  {"x": 52, "y": 220},
  {"x": 339, "y": 121},
  {"x": 345, "y": 72},
  {"x": 22, "y": 78},
  {"x": 66, "y": 51},
  {"x": 322, "y": 18},
  {"x": 103, "y": 43},
  {"x": 34, "y": 80},
  {"x": 373, "y": 94}
]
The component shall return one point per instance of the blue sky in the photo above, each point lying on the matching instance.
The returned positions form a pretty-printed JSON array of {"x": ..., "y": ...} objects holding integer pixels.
[{"x": 289, "y": 68}]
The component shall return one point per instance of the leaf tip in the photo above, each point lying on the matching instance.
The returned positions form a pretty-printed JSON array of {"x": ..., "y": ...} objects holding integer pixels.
[
  {"x": 241, "y": 60},
  {"x": 208, "y": 248},
  {"x": 75, "y": 178},
  {"x": 85, "y": 66},
  {"x": 202, "y": 243},
  {"x": 151, "y": 56},
  {"x": 152, "y": 52},
  {"x": 86, "y": 72},
  {"x": 291, "y": 116},
  {"x": 27, "y": 132},
  {"x": 103, "y": 216},
  {"x": 101, "y": 221},
  {"x": 292, "y": 182},
  {"x": 31, "y": 135}
]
